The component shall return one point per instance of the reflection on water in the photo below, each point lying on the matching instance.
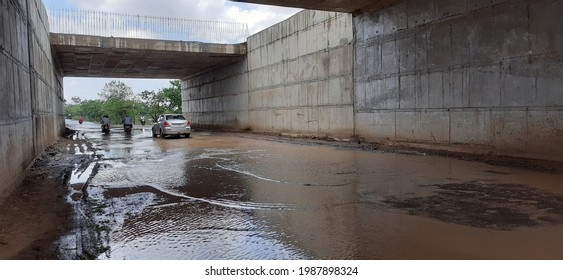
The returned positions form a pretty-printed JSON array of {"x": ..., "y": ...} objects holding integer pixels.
[
  {"x": 218, "y": 196},
  {"x": 197, "y": 231}
]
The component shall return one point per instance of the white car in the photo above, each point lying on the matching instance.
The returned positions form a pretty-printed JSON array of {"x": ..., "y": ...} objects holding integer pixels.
[{"x": 171, "y": 124}]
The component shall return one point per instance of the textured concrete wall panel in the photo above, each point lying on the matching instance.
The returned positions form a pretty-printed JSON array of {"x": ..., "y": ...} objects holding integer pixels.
[
  {"x": 218, "y": 99},
  {"x": 545, "y": 35},
  {"x": 440, "y": 54},
  {"x": 407, "y": 125},
  {"x": 31, "y": 116},
  {"x": 456, "y": 88},
  {"x": 510, "y": 131},
  {"x": 478, "y": 76},
  {"x": 484, "y": 86},
  {"x": 473, "y": 5},
  {"x": 298, "y": 76},
  {"x": 312, "y": 80},
  {"x": 379, "y": 126},
  {"x": 471, "y": 127},
  {"x": 419, "y": 12},
  {"x": 548, "y": 130},
  {"x": 508, "y": 38},
  {"x": 434, "y": 126}
]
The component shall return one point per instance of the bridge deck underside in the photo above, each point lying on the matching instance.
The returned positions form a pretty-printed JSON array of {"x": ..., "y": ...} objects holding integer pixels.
[
  {"x": 138, "y": 58},
  {"x": 349, "y": 6}
]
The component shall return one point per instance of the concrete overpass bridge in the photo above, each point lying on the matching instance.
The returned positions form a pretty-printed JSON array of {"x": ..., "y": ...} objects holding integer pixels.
[
  {"x": 100, "y": 44},
  {"x": 95, "y": 56},
  {"x": 473, "y": 76}
]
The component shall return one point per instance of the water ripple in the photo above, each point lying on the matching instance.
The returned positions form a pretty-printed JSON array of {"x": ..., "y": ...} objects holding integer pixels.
[{"x": 222, "y": 202}]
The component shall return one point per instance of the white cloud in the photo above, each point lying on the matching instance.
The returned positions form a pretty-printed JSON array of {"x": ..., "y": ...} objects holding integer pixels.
[{"x": 258, "y": 17}]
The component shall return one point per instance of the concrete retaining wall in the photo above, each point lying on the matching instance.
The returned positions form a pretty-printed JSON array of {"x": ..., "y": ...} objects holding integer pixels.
[
  {"x": 475, "y": 76},
  {"x": 218, "y": 99},
  {"x": 297, "y": 78},
  {"x": 300, "y": 75},
  {"x": 31, "y": 107}
]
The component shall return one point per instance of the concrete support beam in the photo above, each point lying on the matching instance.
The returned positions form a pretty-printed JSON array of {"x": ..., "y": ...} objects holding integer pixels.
[{"x": 350, "y": 6}]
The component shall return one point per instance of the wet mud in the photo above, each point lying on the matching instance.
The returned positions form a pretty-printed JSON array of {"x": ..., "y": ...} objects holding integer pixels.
[
  {"x": 37, "y": 213},
  {"x": 495, "y": 206}
]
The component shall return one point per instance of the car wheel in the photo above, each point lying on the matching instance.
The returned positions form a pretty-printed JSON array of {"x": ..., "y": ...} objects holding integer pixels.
[
  {"x": 187, "y": 135},
  {"x": 153, "y": 134},
  {"x": 161, "y": 134}
]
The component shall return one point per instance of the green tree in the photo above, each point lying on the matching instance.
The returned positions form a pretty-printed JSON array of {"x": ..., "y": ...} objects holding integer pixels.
[
  {"x": 117, "y": 99},
  {"x": 76, "y": 99},
  {"x": 116, "y": 90},
  {"x": 117, "y": 108},
  {"x": 92, "y": 110},
  {"x": 173, "y": 94},
  {"x": 166, "y": 100},
  {"x": 154, "y": 103},
  {"x": 74, "y": 110}
]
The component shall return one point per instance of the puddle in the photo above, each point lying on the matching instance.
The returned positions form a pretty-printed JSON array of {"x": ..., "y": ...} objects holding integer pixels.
[
  {"x": 80, "y": 176},
  {"x": 78, "y": 180},
  {"x": 216, "y": 196},
  {"x": 219, "y": 202}
]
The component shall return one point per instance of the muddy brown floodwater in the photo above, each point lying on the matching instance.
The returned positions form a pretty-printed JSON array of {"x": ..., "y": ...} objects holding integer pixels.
[{"x": 244, "y": 196}]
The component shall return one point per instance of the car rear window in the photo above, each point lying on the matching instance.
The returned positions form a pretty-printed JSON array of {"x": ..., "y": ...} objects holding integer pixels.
[{"x": 175, "y": 117}]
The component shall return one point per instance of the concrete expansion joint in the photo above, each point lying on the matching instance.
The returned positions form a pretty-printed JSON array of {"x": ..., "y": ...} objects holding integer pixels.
[
  {"x": 15, "y": 120},
  {"x": 16, "y": 61}
]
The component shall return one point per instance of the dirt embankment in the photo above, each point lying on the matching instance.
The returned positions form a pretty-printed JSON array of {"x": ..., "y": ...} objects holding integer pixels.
[{"x": 37, "y": 212}]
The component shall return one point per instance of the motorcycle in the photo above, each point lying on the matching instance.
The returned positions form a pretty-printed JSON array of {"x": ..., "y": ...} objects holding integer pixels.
[
  {"x": 105, "y": 128},
  {"x": 127, "y": 127},
  {"x": 80, "y": 121}
]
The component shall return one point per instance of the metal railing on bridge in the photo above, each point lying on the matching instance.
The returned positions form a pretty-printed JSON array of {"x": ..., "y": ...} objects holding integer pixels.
[{"x": 97, "y": 23}]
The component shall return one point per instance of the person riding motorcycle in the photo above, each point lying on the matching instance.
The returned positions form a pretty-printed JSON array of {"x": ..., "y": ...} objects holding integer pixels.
[
  {"x": 127, "y": 123},
  {"x": 80, "y": 120},
  {"x": 105, "y": 123}
]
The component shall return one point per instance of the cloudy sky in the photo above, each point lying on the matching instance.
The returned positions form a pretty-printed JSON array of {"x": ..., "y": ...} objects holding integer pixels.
[{"x": 258, "y": 17}]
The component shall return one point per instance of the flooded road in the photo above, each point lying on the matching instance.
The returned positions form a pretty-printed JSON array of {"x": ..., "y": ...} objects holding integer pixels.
[{"x": 242, "y": 196}]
